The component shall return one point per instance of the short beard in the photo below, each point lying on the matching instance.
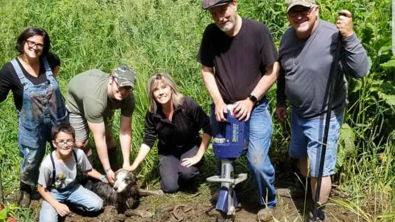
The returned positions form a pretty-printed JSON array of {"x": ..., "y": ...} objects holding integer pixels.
[{"x": 226, "y": 28}]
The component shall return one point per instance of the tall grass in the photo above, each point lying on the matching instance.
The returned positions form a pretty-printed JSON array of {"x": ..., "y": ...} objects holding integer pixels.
[{"x": 164, "y": 35}]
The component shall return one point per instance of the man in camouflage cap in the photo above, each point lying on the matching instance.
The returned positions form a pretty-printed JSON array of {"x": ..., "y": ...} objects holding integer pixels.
[
  {"x": 92, "y": 98},
  {"x": 124, "y": 76}
]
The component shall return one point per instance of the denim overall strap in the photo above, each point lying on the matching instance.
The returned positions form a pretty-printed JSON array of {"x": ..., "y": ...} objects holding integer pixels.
[
  {"x": 19, "y": 72},
  {"x": 58, "y": 112},
  {"x": 48, "y": 70}
]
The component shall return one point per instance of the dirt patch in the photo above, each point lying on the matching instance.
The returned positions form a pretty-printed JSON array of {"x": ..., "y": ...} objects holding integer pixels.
[{"x": 200, "y": 206}]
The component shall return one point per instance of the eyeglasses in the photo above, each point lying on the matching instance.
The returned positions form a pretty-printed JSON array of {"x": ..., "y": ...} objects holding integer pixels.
[
  {"x": 303, "y": 12},
  {"x": 32, "y": 44},
  {"x": 65, "y": 143}
]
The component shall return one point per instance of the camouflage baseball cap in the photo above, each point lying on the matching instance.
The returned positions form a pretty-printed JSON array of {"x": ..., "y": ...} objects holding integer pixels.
[
  {"x": 305, "y": 3},
  {"x": 125, "y": 76}
]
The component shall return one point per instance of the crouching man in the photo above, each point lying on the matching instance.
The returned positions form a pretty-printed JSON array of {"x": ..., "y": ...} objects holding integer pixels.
[{"x": 92, "y": 98}]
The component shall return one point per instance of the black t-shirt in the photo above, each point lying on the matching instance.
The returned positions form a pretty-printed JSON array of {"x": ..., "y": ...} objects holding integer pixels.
[
  {"x": 9, "y": 80},
  {"x": 180, "y": 134},
  {"x": 239, "y": 61}
]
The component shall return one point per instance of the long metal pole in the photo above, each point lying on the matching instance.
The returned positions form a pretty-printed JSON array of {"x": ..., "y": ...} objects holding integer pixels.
[{"x": 329, "y": 95}]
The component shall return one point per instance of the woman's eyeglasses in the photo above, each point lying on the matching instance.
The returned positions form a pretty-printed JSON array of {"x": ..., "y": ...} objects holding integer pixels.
[{"x": 32, "y": 44}]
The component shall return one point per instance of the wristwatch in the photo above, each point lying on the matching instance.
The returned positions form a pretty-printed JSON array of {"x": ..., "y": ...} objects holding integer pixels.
[{"x": 253, "y": 98}]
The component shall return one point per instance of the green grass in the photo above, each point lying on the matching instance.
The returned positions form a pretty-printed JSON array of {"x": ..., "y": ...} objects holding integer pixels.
[{"x": 164, "y": 35}]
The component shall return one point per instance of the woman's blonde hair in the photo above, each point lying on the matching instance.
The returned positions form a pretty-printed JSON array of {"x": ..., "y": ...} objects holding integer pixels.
[{"x": 161, "y": 77}]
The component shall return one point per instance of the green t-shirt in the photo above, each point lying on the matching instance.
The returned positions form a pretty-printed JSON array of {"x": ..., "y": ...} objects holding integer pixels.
[{"x": 87, "y": 96}]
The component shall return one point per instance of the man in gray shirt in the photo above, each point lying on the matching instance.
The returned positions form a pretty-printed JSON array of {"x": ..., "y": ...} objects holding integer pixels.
[{"x": 307, "y": 51}]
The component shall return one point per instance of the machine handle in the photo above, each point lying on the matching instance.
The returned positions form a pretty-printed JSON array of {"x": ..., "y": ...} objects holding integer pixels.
[{"x": 216, "y": 179}]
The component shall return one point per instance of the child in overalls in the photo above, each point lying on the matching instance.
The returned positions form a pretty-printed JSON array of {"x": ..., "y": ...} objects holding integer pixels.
[
  {"x": 31, "y": 77},
  {"x": 57, "y": 181}
]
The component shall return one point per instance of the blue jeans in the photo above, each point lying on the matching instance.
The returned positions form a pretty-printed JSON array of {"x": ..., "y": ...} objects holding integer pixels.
[
  {"x": 261, "y": 130},
  {"x": 307, "y": 138},
  {"x": 32, "y": 145},
  {"x": 77, "y": 195}
]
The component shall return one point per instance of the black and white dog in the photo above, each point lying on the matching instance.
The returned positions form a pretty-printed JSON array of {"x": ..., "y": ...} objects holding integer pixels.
[{"x": 125, "y": 192}]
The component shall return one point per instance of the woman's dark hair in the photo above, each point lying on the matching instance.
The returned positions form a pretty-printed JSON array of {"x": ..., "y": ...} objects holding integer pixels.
[
  {"x": 65, "y": 128},
  {"x": 32, "y": 31}
]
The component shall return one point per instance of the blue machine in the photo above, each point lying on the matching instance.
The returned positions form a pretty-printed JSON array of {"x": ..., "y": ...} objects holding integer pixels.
[{"x": 230, "y": 142}]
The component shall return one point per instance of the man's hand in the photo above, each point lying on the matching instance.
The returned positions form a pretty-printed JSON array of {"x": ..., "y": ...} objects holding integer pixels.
[
  {"x": 344, "y": 23},
  {"x": 62, "y": 209},
  {"x": 281, "y": 112},
  {"x": 220, "y": 109},
  {"x": 110, "y": 176},
  {"x": 243, "y": 109},
  {"x": 187, "y": 162}
]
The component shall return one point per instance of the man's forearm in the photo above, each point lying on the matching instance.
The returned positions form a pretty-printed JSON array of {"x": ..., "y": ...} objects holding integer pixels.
[
  {"x": 267, "y": 80},
  {"x": 102, "y": 152},
  {"x": 125, "y": 138},
  {"x": 211, "y": 85},
  {"x": 356, "y": 60}
]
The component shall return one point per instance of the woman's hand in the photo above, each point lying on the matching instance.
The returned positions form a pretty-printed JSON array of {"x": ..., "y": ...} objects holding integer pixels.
[
  {"x": 128, "y": 167},
  {"x": 187, "y": 162}
]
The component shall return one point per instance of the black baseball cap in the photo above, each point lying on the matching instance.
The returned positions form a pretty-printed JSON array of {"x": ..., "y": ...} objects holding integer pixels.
[{"x": 207, "y": 4}]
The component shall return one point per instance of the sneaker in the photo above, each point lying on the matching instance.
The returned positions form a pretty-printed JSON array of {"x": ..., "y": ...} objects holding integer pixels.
[{"x": 265, "y": 214}]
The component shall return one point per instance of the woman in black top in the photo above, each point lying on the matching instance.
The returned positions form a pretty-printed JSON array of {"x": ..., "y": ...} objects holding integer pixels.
[
  {"x": 31, "y": 78},
  {"x": 176, "y": 121}
]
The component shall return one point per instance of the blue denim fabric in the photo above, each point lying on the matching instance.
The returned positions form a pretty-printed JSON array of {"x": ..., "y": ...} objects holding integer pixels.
[
  {"x": 306, "y": 141},
  {"x": 261, "y": 130},
  {"x": 42, "y": 107},
  {"x": 77, "y": 195}
]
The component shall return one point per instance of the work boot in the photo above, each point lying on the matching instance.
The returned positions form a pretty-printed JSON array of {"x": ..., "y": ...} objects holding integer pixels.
[
  {"x": 25, "y": 192},
  {"x": 265, "y": 214},
  {"x": 112, "y": 157}
]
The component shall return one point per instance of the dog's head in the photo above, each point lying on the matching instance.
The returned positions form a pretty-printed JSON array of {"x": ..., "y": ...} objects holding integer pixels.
[{"x": 124, "y": 180}]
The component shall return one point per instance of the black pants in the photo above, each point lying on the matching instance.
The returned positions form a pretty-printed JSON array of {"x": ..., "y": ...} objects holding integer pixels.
[{"x": 173, "y": 175}]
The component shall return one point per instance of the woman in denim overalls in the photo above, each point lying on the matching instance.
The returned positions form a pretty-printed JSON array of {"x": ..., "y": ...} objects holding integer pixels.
[{"x": 38, "y": 99}]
